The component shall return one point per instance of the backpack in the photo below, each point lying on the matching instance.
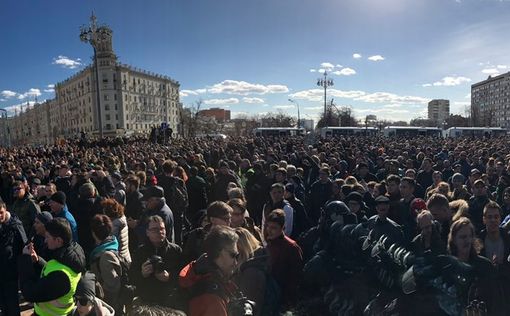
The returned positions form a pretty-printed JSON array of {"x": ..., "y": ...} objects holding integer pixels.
[
  {"x": 237, "y": 303},
  {"x": 177, "y": 198},
  {"x": 127, "y": 291},
  {"x": 272, "y": 297}
]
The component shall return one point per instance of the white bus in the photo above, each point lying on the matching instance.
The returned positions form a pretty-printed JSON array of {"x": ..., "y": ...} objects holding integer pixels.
[
  {"x": 411, "y": 131},
  {"x": 278, "y": 131},
  {"x": 455, "y": 132},
  {"x": 328, "y": 132}
]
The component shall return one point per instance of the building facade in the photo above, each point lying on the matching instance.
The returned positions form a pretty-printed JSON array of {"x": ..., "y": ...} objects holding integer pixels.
[
  {"x": 131, "y": 101},
  {"x": 438, "y": 111},
  {"x": 221, "y": 115},
  {"x": 490, "y": 102}
]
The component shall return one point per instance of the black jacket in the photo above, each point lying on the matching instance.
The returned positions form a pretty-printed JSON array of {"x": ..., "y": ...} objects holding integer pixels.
[
  {"x": 151, "y": 289},
  {"x": 12, "y": 241},
  {"x": 55, "y": 284}
]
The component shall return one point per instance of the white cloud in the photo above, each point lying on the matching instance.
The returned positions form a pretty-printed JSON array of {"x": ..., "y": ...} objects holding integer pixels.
[
  {"x": 338, "y": 66},
  {"x": 318, "y": 94},
  {"x": 2, "y": 100},
  {"x": 490, "y": 71},
  {"x": 200, "y": 91},
  {"x": 345, "y": 72},
  {"x": 468, "y": 96},
  {"x": 392, "y": 105},
  {"x": 253, "y": 100},
  {"x": 13, "y": 109},
  {"x": 327, "y": 66},
  {"x": 321, "y": 71},
  {"x": 387, "y": 97},
  {"x": 284, "y": 107},
  {"x": 245, "y": 88},
  {"x": 221, "y": 101},
  {"x": 67, "y": 62},
  {"x": 8, "y": 94},
  {"x": 313, "y": 70},
  {"x": 376, "y": 58},
  {"x": 356, "y": 56},
  {"x": 185, "y": 93},
  {"x": 502, "y": 66},
  {"x": 30, "y": 93},
  {"x": 377, "y": 97},
  {"x": 313, "y": 108},
  {"x": 50, "y": 88},
  {"x": 449, "y": 81}
]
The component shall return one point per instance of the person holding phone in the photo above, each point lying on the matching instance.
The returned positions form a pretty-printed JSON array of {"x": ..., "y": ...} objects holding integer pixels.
[{"x": 12, "y": 240}]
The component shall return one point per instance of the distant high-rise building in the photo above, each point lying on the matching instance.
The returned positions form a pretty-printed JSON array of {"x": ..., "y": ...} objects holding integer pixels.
[
  {"x": 439, "y": 111},
  {"x": 490, "y": 101}
]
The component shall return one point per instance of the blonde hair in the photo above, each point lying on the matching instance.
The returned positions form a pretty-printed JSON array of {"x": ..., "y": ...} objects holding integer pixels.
[
  {"x": 351, "y": 180},
  {"x": 246, "y": 244},
  {"x": 460, "y": 208}
]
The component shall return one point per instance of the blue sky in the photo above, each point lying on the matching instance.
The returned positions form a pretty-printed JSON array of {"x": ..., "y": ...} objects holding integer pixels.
[{"x": 387, "y": 58}]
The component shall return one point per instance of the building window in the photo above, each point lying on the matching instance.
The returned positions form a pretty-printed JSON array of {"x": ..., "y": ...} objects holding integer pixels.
[
  {"x": 106, "y": 97},
  {"x": 107, "y": 107},
  {"x": 115, "y": 97},
  {"x": 107, "y": 117},
  {"x": 108, "y": 126}
]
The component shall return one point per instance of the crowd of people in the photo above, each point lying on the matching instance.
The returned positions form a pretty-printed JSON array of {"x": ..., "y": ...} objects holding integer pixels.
[{"x": 256, "y": 226}]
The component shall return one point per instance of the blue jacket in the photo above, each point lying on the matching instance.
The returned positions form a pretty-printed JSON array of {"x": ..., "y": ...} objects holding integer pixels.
[{"x": 70, "y": 218}]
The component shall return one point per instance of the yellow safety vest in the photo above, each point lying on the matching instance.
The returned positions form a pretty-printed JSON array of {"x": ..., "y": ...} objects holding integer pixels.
[{"x": 64, "y": 304}]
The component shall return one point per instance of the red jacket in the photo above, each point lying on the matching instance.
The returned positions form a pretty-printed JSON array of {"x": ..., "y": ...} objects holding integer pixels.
[
  {"x": 286, "y": 262},
  {"x": 208, "y": 303}
]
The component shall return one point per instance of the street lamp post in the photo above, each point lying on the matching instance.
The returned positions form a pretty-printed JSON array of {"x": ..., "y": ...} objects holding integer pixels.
[
  {"x": 325, "y": 83},
  {"x": 94, "y": 36},
  {"x": 298, "y": 117}
]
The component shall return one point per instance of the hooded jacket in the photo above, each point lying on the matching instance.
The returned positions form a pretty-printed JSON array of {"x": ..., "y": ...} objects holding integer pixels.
[
  {"x": 199, "y": 278},
  {"x": 106, "y": 266},
  {"x": 56, "y": 284}
]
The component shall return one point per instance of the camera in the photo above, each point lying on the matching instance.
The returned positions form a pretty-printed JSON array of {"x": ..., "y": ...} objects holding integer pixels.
[
  {"x": 157, "y": 263},
  {"x": 240, "y": 306}
]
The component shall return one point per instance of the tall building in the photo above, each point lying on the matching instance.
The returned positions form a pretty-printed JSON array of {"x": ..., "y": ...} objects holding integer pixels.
[
  {"x": 490, "y": 101},
  {"x": 439, "y": 111},
  {"x": 130, "y": 101},
  {"x": 221, "y": 115}
]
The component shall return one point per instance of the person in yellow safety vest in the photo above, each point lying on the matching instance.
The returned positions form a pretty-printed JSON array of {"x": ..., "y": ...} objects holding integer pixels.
[{"x": 51, "y": 285}]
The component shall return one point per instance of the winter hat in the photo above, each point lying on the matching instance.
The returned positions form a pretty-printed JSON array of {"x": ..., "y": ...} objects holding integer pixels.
[
  {"x": 417, "y": 205},
  {"x": 354, "y": 196},
  {"x": 153, "y": 191},
  {"x": 44, "y": 217},
  {"x": 458, "y": 177},
  {"x": 59, "y": 197}
]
